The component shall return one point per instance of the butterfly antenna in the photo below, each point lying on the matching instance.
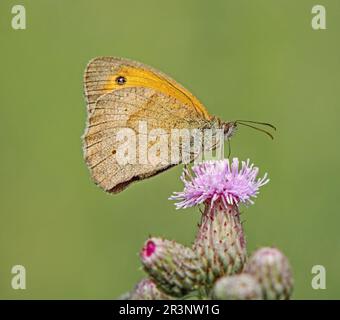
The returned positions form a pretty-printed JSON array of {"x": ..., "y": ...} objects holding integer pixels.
[
  {"x": 247, "y": 124},
  {"x": 258, "y": 122}
]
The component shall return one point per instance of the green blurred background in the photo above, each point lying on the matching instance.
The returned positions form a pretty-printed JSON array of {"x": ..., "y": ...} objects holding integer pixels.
[{"x": 249, "y": 59}]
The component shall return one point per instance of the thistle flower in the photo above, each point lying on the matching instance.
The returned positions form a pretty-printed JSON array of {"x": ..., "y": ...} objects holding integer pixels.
[
  {"x": 176, "y": 269},
  {"x": 272, "y": 270},
  {"x": 238, "y": 287},
  {"x": 219, "y": 181},
  {"x": 147, "y": 289},
  {"x": 221, "y": 186}
]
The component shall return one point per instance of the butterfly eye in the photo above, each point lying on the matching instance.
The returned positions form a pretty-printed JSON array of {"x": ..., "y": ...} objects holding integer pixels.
[{"x": 120, "y": 80}]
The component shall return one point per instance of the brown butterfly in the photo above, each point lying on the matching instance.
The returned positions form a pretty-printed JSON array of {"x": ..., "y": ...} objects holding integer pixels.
[{"x": 121, "y": 93}]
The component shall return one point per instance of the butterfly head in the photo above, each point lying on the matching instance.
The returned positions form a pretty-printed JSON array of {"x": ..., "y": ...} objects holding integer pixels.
[{"x": 229, "y": 129}]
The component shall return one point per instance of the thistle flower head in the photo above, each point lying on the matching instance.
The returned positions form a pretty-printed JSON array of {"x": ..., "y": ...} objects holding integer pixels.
[
  {"x": 146, "y": 289},
  {"x": 272, "y": 270},
  {"x": 237, "y": 287},
  {"x": 176, "y": 269},
  {"x": 220, "y": 180}
]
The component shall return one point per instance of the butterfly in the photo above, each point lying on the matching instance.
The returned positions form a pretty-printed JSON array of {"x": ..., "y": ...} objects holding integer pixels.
[{"x": 121, "y": 94}]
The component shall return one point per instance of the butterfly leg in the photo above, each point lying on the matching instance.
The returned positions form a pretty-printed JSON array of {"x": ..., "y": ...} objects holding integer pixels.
[{"x": 229, "y": 149}]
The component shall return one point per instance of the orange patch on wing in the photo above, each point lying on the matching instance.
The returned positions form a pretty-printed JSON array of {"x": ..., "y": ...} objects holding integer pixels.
[{"x": 136, "y": 77}]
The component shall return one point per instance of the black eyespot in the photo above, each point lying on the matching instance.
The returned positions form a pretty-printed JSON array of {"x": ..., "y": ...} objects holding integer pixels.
[{"x": 120, "y": 80}]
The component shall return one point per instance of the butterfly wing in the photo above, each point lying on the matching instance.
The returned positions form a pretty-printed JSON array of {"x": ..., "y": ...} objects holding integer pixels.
[
  {"x": 102, "y": 72},
  {"x": 128, "y": 108},
  {"x": 145, "y": 95}
]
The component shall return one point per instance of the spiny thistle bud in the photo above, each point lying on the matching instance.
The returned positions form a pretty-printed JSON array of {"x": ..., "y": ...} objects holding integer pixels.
[
  {"x": 146, "y": 289},
  {"x": 237, "y": 287},
  {"x": 272, "y": 270},
  {"x": 176, "y": 269},
  {"x": 221, "y": 186},
  {"x": 220, "y": 241}
]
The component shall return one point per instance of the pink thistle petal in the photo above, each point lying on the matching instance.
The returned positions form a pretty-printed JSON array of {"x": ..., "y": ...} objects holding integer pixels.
[
  {"x": 149, "y": 249},
  {"x": 219, "y": 180}
]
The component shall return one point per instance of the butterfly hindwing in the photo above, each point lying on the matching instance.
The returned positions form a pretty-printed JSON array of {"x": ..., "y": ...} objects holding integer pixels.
[{"x": 129, "y": 108}]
